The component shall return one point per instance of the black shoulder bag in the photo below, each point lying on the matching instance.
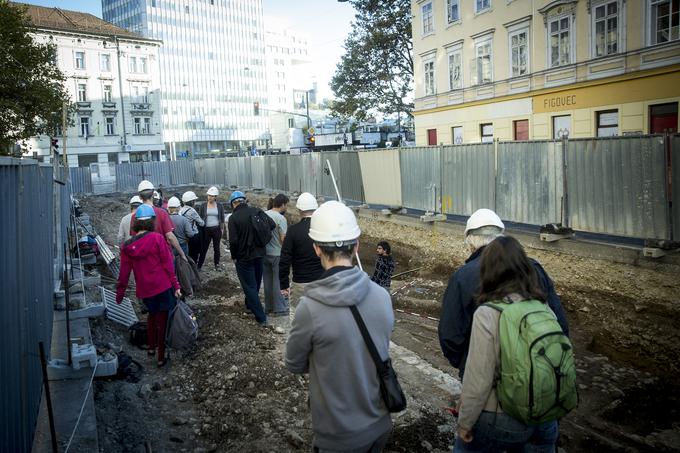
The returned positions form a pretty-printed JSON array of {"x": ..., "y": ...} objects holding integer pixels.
[{"x": 390, "y": 390}]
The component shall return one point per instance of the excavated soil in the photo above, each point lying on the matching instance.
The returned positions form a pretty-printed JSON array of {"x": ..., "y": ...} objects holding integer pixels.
[{"x": 233, "y": 393}]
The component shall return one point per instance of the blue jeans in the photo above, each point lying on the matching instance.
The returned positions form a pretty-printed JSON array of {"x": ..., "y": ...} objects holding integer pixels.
[
  {"x": 495, "y": 432},
  {"x": 250, "y": 275}
]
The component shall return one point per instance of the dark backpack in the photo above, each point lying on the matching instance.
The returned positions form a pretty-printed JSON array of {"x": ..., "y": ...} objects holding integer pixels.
[
  {"x": 138, "y": 334},
  {"x": 262, "y": 225},
  {"x": 182, "y": 328}
]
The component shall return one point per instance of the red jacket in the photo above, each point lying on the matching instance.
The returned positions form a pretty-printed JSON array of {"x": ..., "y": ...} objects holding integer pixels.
[{"x": 149, "y": 257}]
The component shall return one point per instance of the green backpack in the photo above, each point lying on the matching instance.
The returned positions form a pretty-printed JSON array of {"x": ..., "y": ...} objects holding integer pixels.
[{"x": 538, "y": 377}]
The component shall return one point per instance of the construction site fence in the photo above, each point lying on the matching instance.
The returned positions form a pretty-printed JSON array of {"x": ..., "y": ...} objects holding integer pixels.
[
  {"x": 617, "y": 185},
  {"x": 36, "y": 203}
]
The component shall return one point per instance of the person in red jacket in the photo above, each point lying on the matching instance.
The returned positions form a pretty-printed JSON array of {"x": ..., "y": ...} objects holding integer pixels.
[{"x": 148, "y": 256}]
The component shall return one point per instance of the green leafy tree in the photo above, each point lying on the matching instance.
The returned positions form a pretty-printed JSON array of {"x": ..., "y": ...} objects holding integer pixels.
[
  {"x": 32, "y": 92},
  {"x": 376, "y": 72}
]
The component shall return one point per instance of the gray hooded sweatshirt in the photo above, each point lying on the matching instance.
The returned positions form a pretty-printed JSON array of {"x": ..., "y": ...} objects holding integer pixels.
[{"x": 325, "y": 341}]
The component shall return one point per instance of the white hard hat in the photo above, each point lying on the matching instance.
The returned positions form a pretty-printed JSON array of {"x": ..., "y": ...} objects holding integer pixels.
[
  {"x": 145, "y": 185},
  {"x": 306, "y": 202},
  {"x": 213, "y": 191},
  {"x": 481, "y": 218},
  {"x": 189, "y": 196},
  {"x": 334, "y": 223},
  {"x": 136, "y": 199},
  {"x": 156, "y": 195},
  {"x": 173, "y": 202}
]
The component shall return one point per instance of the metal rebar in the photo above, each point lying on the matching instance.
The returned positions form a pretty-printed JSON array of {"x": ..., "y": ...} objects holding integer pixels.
[{"x": 48, "y": 397}]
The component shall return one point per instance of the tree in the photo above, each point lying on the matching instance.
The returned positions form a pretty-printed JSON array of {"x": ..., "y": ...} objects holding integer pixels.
[
  {"x": 32, "y": 92},
  {"x": 376, "y": 72}
]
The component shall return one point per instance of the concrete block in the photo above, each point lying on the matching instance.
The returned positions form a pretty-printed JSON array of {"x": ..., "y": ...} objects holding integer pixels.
[
  {"x": 83, "y": 355},
  {"x": 551, "y": 237},
  {"x": 77, "y": 301},
  {"x": 107, "y": 367},
  {"x": 60, "y": 300},
  {"x": 652, "y": 252},
  {"x": 431, "y": 218}
]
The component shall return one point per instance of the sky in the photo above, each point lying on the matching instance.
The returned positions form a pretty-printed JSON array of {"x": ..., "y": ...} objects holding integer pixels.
[{"x": 325, "y": 22}]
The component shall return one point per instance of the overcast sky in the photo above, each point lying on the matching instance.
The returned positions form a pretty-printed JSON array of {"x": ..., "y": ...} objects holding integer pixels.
[{"x": 325, "y": 22}]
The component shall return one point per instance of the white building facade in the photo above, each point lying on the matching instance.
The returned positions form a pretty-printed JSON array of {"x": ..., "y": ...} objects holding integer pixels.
[
  {"x": 113, "y": 79},
  {"x": 212, "y": 66},
  {"x": 289, "y": 78}
]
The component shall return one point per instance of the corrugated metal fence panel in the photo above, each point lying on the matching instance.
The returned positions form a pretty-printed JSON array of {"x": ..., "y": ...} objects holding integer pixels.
[
  {"x": 199, "y": 171},
  {"x": 209, "y": 171},
  {"x": 468, "y": 173},
  {"x": 420, "y": 177},
  {"x": 617, "y": 186},
  {"x": 675, "y": 150},
  {"x": 157, "y": 172},
  {"x": 326, "y": 187},
  {"x": 221, "y": 171},
  {"x": 257, "y": 169},
  {"x": 529, "y": 183},
  {"x": 278, "y": 173},
  {"x": 295, "y": 176},
  {"x": 103, "y": 177},
  {"x": 245, "y": 178},
  {"x": 350, "y": 176},
  {"x": 381, "y": 177},
  {"x": 81, "y": 180},
  {"x": 181, "y": 172},
  {"x": 128, "y": 176},
  {"x": 311, "y": 173},
  {"x": 27, "y": 282},
  {"x": 231, "y": 170}
]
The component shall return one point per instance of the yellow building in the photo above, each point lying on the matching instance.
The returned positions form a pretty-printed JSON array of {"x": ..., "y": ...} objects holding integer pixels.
[{"x": 539, "y": 69}]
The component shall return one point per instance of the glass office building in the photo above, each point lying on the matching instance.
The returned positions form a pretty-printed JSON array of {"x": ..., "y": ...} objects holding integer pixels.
[{"x": 212, "y": 64}]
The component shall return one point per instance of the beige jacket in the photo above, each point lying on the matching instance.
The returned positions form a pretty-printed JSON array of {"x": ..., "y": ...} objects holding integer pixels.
[{"x": 482, "y": 368}]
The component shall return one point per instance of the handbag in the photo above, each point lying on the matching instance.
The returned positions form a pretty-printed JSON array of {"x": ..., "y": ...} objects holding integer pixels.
[{"x": 390, "y": 390}]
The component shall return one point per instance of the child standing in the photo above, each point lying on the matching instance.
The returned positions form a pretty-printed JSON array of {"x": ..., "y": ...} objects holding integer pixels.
[
  {"x": 148, "y": 256},
  {"x": 384, "y": 265}
]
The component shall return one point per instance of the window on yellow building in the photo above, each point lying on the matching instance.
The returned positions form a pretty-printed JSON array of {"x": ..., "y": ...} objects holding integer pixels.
[
  {"x": 457, "y": 135},
  {"x": 481, "y": 5},
  {"x": 428, "y": 19},
  {"x": 486, "y": 131},
  {"x": 429, "y": 78},
  {"x": 559, "y": 34},
  {"x": 606, "y": 17},
  {"x": 456, "y": 70},
  {"x": 519, "y": 53},
  {"x": 665, "y": 20},
  {"x": 452, "y": 11},
  {"x": 482, "y": 69},
  {"x": 608, "y": 123}
]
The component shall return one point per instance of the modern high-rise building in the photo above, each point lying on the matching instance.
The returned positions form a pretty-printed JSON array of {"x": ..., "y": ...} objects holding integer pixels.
[{"x": 212, "y": 63}]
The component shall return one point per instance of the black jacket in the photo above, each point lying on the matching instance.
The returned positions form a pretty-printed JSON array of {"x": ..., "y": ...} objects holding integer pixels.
[
  {"x": 458, "y": 306},
  {"x": 298, "y": 251},
  {"x": 241, "y": 231},
  {"x": 203, "y": 212}
]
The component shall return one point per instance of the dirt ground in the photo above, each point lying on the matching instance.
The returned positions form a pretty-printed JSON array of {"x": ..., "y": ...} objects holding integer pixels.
[{"x": 232, "y": 391}]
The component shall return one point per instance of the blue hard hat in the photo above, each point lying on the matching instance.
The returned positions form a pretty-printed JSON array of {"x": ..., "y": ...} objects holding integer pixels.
[
  {"x": 144, "y": 212},
  {"x": 236, "y": 195}
]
